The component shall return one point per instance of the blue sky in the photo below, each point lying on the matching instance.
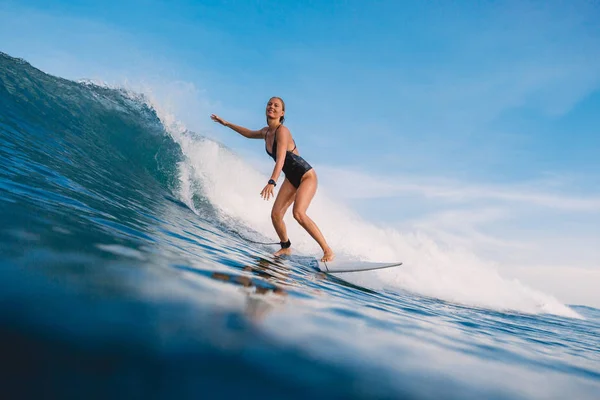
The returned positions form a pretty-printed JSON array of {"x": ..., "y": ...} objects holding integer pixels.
[
  {"x": 510, "y": 88},
  {"x": 478, "y": 123}
]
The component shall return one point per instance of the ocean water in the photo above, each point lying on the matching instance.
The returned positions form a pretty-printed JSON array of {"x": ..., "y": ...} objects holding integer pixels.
[{"x": 124, "y": 273}]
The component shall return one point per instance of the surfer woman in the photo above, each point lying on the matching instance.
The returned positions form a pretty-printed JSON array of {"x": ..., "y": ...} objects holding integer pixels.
[{"x": 300, "y": 184}]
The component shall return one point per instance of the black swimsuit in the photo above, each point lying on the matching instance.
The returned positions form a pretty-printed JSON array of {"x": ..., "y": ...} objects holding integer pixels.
[{"x": 294, "y": 166}]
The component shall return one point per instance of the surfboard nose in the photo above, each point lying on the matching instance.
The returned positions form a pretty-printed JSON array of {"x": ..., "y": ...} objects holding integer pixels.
[{"x": 341, "y": 266}]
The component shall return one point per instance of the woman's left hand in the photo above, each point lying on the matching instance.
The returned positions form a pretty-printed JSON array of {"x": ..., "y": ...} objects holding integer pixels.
[{"x": 267, "y": 192}]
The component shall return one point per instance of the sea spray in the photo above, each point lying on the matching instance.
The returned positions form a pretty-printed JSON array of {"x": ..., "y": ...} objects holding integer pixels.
[{"x": 212, "y": 171}]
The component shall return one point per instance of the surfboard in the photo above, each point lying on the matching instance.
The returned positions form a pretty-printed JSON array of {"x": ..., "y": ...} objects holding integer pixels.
[{"x": 340, "y": 266}]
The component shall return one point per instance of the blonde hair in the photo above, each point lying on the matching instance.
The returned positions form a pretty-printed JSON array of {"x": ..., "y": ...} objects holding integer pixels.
[{"x": 282, "y": 118}]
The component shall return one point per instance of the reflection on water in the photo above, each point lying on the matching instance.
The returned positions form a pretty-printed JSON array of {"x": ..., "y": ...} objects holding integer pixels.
[
  {"x": 264, "y": 290},
  {"x": 263, "y": 294}
]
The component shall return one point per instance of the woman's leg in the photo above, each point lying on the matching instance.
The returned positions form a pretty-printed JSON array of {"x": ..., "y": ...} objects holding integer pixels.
[
  {"x": 284, "y": 199},
  {"x": 304, "y": 195}
]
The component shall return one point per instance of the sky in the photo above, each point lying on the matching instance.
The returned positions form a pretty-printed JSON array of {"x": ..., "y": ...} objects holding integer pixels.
[{"x": 475, "y": 122}]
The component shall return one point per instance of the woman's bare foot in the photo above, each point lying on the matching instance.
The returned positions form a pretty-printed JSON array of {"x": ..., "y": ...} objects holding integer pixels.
[
  {"x": 283, "y": 252},
  {"x": 328, "y": 255}
]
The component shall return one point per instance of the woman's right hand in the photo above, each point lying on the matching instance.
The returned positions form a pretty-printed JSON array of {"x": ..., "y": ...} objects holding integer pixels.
[{"x": 218, "y": 119}]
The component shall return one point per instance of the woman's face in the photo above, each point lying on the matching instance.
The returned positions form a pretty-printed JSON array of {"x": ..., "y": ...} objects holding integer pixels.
[{"x": 275, "y": 109}]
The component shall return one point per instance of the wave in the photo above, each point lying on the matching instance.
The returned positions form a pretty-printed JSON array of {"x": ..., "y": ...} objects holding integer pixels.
[{"x": 138, "y": 149}]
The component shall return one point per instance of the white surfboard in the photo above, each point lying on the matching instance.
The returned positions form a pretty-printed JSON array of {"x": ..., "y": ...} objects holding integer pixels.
[{"x": 340, "y": 266}]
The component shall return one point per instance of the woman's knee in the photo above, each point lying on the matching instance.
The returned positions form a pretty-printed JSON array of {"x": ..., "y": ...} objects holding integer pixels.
[
  {"x": 277, "y": 215},
  {"x": 300, "y": 216}
]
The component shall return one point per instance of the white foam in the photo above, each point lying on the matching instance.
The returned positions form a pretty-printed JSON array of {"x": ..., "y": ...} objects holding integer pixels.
[{"x": 232, "y": 185}]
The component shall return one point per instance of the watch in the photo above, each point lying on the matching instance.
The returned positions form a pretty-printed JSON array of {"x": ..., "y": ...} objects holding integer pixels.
[{"x": 272, "y": 182}]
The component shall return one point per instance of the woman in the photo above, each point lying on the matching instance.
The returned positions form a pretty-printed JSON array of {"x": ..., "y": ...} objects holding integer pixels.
[{"x": 300, "y": 184}]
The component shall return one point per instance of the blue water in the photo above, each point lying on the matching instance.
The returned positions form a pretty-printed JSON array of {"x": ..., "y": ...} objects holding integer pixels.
[{"x": 111, "y": 285}]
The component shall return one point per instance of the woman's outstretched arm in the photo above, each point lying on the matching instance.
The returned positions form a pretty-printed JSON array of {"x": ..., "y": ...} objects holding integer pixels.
[{"x": 250, "y": 134}]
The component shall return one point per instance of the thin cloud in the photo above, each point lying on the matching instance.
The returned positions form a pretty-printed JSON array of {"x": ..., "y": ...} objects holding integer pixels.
[{"x": 369, "y": 186}]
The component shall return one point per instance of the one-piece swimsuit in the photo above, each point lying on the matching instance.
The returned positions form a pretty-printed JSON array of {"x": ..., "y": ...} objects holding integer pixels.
[{"x": 294, "y": 166}]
